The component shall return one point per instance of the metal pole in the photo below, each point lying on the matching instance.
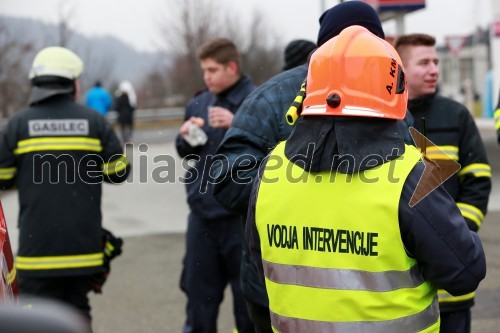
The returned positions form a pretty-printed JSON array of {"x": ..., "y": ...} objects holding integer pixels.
[
  {"x": 322, "y": 6},
  {"x": 455, "y": 65},
  {"x": 495, "y": 53},
  {"x": 400, "y": 24}
]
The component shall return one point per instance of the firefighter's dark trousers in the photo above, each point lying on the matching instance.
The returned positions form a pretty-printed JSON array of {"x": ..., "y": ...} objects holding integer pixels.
[
  {"x": 212, "y": 261},
  {"x": 72, "y": 290},
  {"x": 456, "y": 321}
]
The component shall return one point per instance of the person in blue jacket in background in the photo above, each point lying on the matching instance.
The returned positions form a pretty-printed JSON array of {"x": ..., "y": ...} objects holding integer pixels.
[{"x": 98, "y": 99}]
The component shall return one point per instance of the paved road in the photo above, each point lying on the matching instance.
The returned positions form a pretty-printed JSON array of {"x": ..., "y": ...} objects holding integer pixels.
[{"x": 149, "y": 210}]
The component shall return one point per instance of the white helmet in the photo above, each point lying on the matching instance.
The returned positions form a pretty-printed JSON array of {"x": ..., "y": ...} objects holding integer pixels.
[{"x": 56, "y": 61}]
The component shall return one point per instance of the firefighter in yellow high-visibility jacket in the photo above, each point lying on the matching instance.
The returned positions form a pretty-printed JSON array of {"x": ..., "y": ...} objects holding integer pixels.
[{"x": 341, "y": 248}]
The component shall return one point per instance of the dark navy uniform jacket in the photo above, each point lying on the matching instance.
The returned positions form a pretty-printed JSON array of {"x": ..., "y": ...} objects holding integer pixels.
[
  {"x": 200, "y": 178},
  {"x": 58, "y": 153}
]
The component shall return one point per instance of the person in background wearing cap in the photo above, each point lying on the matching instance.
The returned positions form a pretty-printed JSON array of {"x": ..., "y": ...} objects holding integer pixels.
[
  {"x": 297, "y": 53},
  {"x": 370, "y": 261},
  {"x": 451, "y": 127},
  {"x": 58, "y": 153},
  {"x": 258, "y": 126}
]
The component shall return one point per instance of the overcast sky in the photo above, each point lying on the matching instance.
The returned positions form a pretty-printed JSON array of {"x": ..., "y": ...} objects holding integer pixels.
[{"x": 136, "y": 21}]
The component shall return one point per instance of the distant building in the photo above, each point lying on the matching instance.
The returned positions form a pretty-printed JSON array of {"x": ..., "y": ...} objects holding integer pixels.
[{"x": 473, "y": 63}]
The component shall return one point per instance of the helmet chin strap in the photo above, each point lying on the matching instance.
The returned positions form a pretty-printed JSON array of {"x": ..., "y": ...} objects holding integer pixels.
[{"x": 77, "y": 90}]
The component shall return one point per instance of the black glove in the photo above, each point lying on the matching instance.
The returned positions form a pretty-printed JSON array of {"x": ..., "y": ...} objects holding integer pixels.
[
  {"x": 111, "y": 247},
  {"x": 98, "y": 280}
]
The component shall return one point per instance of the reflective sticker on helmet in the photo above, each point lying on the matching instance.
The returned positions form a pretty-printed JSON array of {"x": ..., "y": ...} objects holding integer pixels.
[
  {"x": 392, "y": 72},
  {"x": 401, "y": 83}
]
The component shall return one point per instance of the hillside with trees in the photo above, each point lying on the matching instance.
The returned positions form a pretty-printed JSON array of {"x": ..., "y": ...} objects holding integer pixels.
[{"x": 168, "y": 77}]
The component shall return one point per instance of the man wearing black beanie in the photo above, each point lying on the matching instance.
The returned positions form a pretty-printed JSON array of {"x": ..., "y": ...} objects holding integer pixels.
[
  {"x": 297, "y": 52},
  {"x": 339, "y": 17},
  {"x": 258, "y": 126}
]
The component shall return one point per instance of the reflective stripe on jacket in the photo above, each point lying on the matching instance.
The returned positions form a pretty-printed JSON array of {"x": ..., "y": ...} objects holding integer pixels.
[
  {"x": 58, "y": 153},
  {"x": 337, "y": 262}
]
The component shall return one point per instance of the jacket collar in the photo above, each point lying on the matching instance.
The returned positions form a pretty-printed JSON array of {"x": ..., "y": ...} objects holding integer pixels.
[
  {"x": 39, "y": 94},
  {"x": 237, "y": 92},
  {"x": 422, "y": 101},
  {"x": 344, "y": 144}
]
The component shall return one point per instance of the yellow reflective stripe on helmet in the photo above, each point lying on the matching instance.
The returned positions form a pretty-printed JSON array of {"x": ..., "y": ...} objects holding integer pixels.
[
  {"x": 56, "y": 143},
  {"x": 60, "y": 262},
  {"x": 12, "y": 275},
  {"x": 7, "y": 173},
  {"x": 497, "y": 119},
  {"x": 472, "y": 213},
  {"x": 445, "y": 297},
  {"x": 116, "y": 166},
  {"x": 442, "y": 153},
  {"x": 477, "y": 170}
]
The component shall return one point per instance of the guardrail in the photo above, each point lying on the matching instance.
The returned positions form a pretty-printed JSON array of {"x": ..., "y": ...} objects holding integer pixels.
[
  {"x": 144, "y": 115},
  {"x": 141, "y": 115}
]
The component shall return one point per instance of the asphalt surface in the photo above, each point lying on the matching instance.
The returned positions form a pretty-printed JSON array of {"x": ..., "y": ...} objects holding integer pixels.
[{"x": 150, "y": 212}]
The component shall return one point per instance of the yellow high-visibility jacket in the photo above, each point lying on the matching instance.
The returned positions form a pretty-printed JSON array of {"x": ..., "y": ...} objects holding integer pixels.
[{"x": 336, "y": 261}]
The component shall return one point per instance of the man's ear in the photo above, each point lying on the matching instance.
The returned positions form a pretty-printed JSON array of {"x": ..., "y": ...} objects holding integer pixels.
[{"x": 233, "y": 67}]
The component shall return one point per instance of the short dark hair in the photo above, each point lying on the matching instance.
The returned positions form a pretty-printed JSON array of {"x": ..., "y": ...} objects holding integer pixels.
[
  {"x": 222, "y": 50},
  {"x": 404, "y": 42},
  {"x": 415, "y": 40}
]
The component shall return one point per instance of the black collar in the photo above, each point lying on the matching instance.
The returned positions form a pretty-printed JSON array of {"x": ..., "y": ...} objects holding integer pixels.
[
  {"x": 345, "y": 144},
  {"x": 237, "y": 92}
]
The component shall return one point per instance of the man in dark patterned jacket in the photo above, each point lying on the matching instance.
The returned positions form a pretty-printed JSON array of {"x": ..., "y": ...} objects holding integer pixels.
[{"x": 257, "y": 127}]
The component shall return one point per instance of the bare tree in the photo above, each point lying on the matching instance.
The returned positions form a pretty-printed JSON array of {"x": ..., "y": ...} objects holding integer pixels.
[
  {"x": 66, "y": 14},
  {"x": 193, "y": 22},
  {"x": 98, "y": 67},
  {"x": 259, "y": 46},
  {"x": 15, "y": 59}
]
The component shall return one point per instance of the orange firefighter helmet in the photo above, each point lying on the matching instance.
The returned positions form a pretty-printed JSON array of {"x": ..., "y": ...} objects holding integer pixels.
[{"x": 356, "y": 74}]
